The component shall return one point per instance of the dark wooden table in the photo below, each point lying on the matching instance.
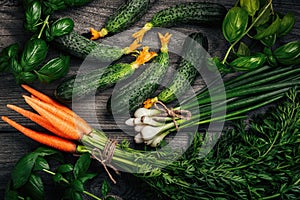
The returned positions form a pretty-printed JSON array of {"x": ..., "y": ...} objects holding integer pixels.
[{"x": 14, "y": 144}]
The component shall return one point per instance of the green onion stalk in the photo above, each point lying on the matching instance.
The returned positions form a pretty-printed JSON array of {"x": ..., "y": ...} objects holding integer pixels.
[{"x": 243, "y": 93}]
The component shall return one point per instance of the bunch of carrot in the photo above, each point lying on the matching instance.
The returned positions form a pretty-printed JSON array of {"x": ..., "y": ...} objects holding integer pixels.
[
  {"x": 73, "y": 134},
  {"x": 58, "y": 119}
]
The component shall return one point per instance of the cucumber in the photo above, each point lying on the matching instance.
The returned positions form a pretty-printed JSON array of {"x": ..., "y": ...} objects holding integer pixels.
[
  {"x": 81, "y": 85},
  {"x": 126, "y": 15},
  {"x": 192, "y": 12},
  {"x": 132, "y": 95},
  {"x": 81, "y": 47},
  {"x": 186, "y": 71}
]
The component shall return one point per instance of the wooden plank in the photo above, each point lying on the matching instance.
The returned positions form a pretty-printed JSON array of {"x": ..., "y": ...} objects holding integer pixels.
[{"x": 14, "y": 145}]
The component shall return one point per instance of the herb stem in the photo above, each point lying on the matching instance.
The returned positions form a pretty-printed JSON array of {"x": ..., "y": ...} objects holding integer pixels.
[
  {"x": 91, "y": 195},
  {"x": 246, "y": 32},
  {"x": 44, "y": 25}
]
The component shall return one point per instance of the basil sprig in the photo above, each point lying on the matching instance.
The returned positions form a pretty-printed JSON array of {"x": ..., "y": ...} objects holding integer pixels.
[{"x": 256, "y": 21}]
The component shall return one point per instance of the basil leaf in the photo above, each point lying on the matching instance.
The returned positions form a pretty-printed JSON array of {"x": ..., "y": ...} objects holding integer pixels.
[
  {"x": 65, "y": 168},
  {"x": 16, "y": 67},
  {"x": 45, "y": 151},
  {"x": 11, "y": 195},
  {"x": 6, "y": 54},
  {"x": 251, "y": 6},
  {"x": 34, "y": 53},
  {"x": 104, "y": 188},
  {"x": 87, "y": 177},
  {"x": 35, "y": 187},
  {"x": 72, "y": 195},
  {"x": 82, "y": 165},
  {"x": 26, "y": 77},
  {"x": 54, "y": 69},
  {"x": 288, "y": 54},
  {"x": 286, "y": 25},
  {"x": 235, "y": 24},
  {"x": 61, "y": 27},
  {"x": 40, "y": 164},
  {"x": 22, "y": 170},
  {"x": 77, "y": 186},
  {"x": 270, "y": 30},
  {"x": 264, "y": 18},
  {"x": 269, "y": 40},
  {"x": 32, "y": 16},
  {"x": 58, "y": 177},
  {"x": 52, "y": 5},
  {"x": 246, "y": 63},
  {"x": 243, "y": 50}
]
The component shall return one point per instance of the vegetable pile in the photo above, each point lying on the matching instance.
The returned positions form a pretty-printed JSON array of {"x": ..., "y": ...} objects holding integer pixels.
[{"x": 254, "y": 160}]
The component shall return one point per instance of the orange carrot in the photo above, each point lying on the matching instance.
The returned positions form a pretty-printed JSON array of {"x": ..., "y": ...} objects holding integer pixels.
[
  {"x": 65, "y": 125},
  {"x": 37, "y": 119},
  {"x": 82, "y": 124},
  {"x": 49, "y": 140}
]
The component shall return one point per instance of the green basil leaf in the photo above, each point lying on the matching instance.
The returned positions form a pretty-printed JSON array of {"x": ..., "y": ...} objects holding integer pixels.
[
  {"x": 27, "y": 77},
  {"x": 264, "y": 18},
  {"x": 270, "y": 30},
  {"x": 6, "y": 54},
  {"x": 54, "y": 69},
  {"x": 48, "y": 35},
  {"x": 11, "y": 195},
  {"x": 61, "y": 27},
  {"x": 243, "y": 50},
  {"x": 34, "y": 53},
  {"x": 248, "y": 62},
  {"x": 16, "y": 67},
  {"x": 87, "y": 177},
  {"x": 22, "y": 170},
  {"x": 288, "y": 54},
  {"x": 32, "y": 16},
  {"x": 45, "y": 151},
  {"x": 82, "y": 165},
  {"x": 65, "y": 168},
  {"x": 286, "y": 25},
  {"x": 35, "y": 187},
  {"x": 72, "y": 195},
  {"x": 269, "y": 40},
  {"x": 235, "y": 24},
  {"x": 57, "y": 178},
  {"x": 77, "y": 186},
  {"x": 40, "y": 164},
  {"x": 251, "y": 6},
  {"x": 104, "y": 188},
  {"x": 52, "y": 5}
]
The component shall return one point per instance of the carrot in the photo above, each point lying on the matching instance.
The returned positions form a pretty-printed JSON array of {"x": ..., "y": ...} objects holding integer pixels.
[
  {"x": 49, "y": 140},
  {"x": 82, "y": 124},
  {"x": 63, "y": 122},
  {"x": 37, "y": 119}
]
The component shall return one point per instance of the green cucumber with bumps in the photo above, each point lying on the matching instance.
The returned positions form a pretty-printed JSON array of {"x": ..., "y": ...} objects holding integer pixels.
[
  {"x": 81, "y": 47},
  {"x": 125, "y": 16},
  {"x": 203, "y": 13},
  {"x": 84, "y": 84},
  {"x": 132, "y": 95},
  {"x": 195, "y": 45}
]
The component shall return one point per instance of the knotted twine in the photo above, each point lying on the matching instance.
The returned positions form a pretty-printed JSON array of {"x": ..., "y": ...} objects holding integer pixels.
[{"x": 105, "y": 157}]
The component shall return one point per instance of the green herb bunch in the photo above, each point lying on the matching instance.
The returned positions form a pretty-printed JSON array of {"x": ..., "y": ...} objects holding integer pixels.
[
  {"x": 32, "y": 63},
  {"x": 253, "y": 22},
  {"x": 29, "y": 175},
  {"x": 256, "y": 161}
]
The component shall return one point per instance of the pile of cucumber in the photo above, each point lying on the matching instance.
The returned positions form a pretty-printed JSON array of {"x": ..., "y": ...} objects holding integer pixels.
[{"x": 146, "y": 84}]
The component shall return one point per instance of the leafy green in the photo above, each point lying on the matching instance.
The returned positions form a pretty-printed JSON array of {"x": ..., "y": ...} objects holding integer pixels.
[
  {"x": 251, "y": 6},
  {"x": 82, "y": 165},
  {"x": 286, "y": 25},
  {"x": 33, "y": 14},
  {"x": 34, "y": 53},
  {"x": 270, "y": 30},
  {"x": 235, "y": 24}
]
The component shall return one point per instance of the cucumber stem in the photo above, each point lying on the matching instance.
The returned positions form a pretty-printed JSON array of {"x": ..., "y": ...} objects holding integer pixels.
[
  {"x": 247, "y": 31},
  {"x": 140, "y": 34}
]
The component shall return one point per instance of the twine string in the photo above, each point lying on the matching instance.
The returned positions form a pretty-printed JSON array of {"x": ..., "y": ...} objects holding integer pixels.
[{"x": 105, "y": 157}]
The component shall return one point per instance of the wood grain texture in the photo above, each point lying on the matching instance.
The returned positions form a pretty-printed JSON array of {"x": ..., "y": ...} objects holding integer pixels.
[{"x": 14, "y": 145}]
